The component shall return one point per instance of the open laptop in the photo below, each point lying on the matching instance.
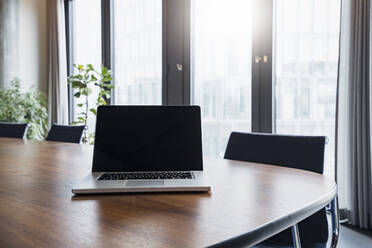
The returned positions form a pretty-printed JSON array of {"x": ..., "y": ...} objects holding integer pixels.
[{"x": 146, "y": 149}]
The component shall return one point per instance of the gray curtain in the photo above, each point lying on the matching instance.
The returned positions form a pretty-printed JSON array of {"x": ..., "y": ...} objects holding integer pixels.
[
  {"x": 353, "y": 130},
  {"x": 9, "y": 15},
  {"x": 57, "y": 80}
]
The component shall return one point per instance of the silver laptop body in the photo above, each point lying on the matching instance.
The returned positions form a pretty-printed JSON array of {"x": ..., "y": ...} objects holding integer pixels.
[{"x": 146, "y": 149}]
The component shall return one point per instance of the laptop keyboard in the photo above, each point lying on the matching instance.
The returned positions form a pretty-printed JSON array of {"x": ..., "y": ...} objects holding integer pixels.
[{"x": 146, "y": 175}]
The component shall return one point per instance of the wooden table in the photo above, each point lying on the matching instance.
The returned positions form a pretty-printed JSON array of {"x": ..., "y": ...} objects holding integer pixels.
[{"x": 248, "y": 203}]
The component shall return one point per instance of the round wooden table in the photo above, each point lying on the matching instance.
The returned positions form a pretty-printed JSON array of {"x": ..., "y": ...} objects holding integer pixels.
[{"x": 248, "y": 203}]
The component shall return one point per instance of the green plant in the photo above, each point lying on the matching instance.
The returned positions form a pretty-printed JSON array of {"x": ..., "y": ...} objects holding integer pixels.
[
  {"x": 83, "y": 83},
  {"x": 25, "y": 107}
]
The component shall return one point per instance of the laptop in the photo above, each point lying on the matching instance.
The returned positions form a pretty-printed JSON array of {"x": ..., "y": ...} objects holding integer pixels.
[{"x": 146, "y": 149}]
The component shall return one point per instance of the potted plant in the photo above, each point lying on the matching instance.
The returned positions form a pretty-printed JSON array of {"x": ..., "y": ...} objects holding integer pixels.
[
  {"x": 86, "y": 79},
  {"x": 25, "y": 107}
]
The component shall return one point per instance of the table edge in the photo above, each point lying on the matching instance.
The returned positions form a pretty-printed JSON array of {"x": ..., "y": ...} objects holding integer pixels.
[{"x": 269, "y": 229}]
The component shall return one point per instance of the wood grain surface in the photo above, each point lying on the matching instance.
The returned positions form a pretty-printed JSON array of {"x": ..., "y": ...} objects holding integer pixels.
[{"x": 248, "y": 203}]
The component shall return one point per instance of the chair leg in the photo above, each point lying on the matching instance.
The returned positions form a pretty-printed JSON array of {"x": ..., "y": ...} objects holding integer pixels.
[
  {"x": 296, "y": 236},
  {"x": 335, "y": 222}
]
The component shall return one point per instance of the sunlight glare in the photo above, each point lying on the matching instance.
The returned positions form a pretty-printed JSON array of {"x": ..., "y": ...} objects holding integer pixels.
[{"x": 225, "y": 18}]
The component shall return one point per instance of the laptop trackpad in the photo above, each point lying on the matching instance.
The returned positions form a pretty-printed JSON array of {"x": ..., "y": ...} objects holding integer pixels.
[{"x": 141, "y": 183}]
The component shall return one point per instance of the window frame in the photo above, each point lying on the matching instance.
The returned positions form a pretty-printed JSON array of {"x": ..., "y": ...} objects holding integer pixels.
[
  {"x": 176, "y": 49},
  {"x": 107, "y": 39},
  {"x": 262, "y": 70},
  {"x": 69, "y": 15}
]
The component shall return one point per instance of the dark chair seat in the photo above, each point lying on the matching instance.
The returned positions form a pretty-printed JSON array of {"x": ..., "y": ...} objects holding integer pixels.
[
  {"x": 65, "y": 133},
  {"x": 300, "y": 152},
  {"x": 313, "y": 233},
  {"x": 278, "y": 244},
  {"x": 13, "y": 130}
]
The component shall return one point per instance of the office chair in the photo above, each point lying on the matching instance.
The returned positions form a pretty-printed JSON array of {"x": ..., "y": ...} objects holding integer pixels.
[
  {"x": 13, "y": 130},
  {"x": 65, "y": 133},
  {"x": 300, "y": 152}
]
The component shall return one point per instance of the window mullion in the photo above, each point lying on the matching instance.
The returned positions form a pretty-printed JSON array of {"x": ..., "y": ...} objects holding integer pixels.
[
  {"x": 262, "y": 84},
  {"x": 176, "y": 52},
  {"x": 107, "y": 38},
  {"x": 69, "y": 53}
]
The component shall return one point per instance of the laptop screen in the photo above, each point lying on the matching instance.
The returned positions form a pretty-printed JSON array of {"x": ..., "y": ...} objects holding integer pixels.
[{"x": 148, "y": 138}]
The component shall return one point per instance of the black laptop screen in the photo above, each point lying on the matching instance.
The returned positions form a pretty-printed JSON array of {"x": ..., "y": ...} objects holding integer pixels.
[{"x": 147, "y": 138}]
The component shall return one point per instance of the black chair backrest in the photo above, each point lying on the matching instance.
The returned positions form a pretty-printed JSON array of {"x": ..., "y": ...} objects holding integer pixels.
[
  {"x": 300, "y": 152},
  {"x": 65, "y": 133},
  {"x": 13, "y": 130}
]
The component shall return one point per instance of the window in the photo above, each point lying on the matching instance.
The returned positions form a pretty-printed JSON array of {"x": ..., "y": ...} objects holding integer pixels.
[
  {"x": 306, "y": 69},
  {"x": 268, "y": 65},
  {"x": 221, "y": 72},
  {"x": 138, "y": 51},
  {"x": 86, "y": 45}
]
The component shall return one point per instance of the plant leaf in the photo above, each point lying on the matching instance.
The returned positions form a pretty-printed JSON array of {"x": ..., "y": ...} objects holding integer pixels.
[
  {"x": 93, "y": 110},
  {"x": 93, "y": 78}
]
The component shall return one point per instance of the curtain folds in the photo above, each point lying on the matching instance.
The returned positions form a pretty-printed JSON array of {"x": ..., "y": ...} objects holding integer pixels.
[
  {"x": 9, "y": 35},
  {"x": 57, "y": 79},
  {"x": 353, "y": 130}
]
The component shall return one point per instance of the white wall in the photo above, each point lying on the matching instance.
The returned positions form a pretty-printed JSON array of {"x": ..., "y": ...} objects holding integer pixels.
[{"x": 33, "y": 45}]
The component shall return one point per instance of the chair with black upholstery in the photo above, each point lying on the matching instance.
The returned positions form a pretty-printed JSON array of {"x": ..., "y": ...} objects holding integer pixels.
[
  {"x": 13, "y": 130},
  {"x": 300, "y": 152},
  {"x": 65, "y": 133}
]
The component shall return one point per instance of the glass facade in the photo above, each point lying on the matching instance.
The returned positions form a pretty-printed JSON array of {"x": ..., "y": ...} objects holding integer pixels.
[
  {"x": 306, "y": 57},
  {"x": 221, "y": 69},
  {"x": 138, "y": 51},
  {"x": 87, "y": 45}
]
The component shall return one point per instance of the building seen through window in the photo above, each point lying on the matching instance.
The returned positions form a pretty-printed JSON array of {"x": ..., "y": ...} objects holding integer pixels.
[
  {"x": 221, "y": 69},
  {"x": 306, "y": 45}
]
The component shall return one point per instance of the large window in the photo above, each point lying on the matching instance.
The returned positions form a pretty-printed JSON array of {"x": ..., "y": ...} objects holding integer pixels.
[
  {"x": 221, "y": 70},
  {"x": 138, "y": 51},
  {"x": 306, "y": 69},
  {"x": 267, "y": 65}
]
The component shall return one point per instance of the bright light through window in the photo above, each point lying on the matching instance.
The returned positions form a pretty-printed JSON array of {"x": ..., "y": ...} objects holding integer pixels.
[
  {"x": 306, "y": 69},
  {"x": 87, "y": 44},
  {"x": 138, "y": 51},
  {"x": 221, "y": 69}
]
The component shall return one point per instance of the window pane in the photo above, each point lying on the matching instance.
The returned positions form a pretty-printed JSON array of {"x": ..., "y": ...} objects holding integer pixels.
[
  {"x": 87, "y": 45},
  {"x": 221, "y": 69},
  {"x": 138, "y": 51},
  {"x": 306, "y": 69}
]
